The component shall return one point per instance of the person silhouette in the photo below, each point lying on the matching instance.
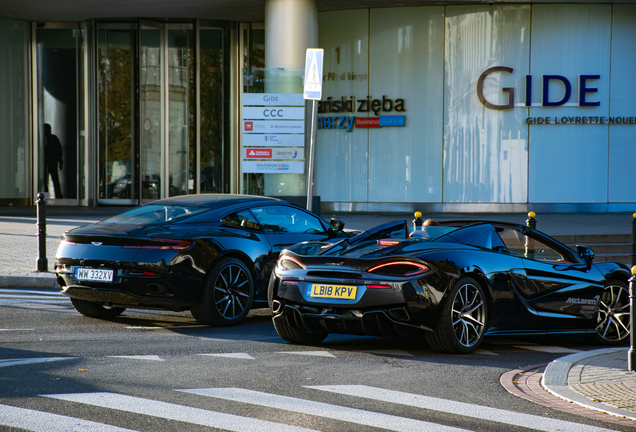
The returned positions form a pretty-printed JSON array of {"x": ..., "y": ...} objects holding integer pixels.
[{"x": 52, "y": 158}]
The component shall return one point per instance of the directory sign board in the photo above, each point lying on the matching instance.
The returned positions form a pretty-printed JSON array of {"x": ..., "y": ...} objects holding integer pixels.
[{"x": 273, "y": 132}]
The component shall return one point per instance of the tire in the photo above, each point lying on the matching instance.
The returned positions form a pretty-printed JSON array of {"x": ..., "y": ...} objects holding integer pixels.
[
  {"x": 295, "y": 335},
  {"x": 95, "y": 310},
  {"x": 228, "y": 295},
  {"x": 613, "y": 318},
  {"x": 462, "y": 321}
]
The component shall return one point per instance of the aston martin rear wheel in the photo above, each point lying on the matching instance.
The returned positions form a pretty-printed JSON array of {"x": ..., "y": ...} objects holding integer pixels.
[
  {"x": 613, "y": 318},
  {"x": 462, "y": 322},
  {"x": 228, "y": 295},
  {"x": 296, "y": 335},
  {"x": 95, "y": 310}
]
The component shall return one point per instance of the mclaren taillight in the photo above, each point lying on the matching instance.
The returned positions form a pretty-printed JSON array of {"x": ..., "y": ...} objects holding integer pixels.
[
  {"x": 378, "y": 286},
  {"x": 399, "y": 269},
  {"x": 286, "y": 262},
  {"x": 67, "y": 243},
  {"x": 388, "y": 242}
]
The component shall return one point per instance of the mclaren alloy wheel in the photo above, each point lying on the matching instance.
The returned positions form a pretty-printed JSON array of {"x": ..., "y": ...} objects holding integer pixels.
[
  {"x": 463, "y": 318},
  {"x": 613, "y": 318}
]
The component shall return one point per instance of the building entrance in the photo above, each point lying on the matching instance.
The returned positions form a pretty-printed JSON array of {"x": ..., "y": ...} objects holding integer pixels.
[
  {"x": 131, "y": 112},
  {"x": 162, "y": 111},
  {"x": 59, "y": 127}
]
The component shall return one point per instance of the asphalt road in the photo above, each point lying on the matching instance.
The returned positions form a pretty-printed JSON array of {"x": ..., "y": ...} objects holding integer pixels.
[{"x": 160, "y": 371}]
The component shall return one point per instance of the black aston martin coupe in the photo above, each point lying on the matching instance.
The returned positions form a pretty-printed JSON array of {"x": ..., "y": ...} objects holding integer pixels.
[
  {"x": 211, "y": 254},
  {"x": 455, "y": 283}
]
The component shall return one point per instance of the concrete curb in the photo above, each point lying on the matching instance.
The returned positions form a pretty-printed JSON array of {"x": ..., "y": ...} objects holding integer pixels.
[
  {"x": 47, "y": 280},
  {"x": 555, "y": 381}
]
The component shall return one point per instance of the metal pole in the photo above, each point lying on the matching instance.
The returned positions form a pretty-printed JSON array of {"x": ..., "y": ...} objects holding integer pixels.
[
  {"x": 417, "y": 222},
  {"x": 634, "y": 239},
  {"x": 42, "y": 263},
  {"x": 531, "y": 221},
  {"x": 631, "y": 356},
  {"x": 312, "y": 152}
]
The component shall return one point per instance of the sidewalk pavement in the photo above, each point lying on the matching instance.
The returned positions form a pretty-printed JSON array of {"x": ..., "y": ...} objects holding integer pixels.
[{"x": 598, "y": 379}]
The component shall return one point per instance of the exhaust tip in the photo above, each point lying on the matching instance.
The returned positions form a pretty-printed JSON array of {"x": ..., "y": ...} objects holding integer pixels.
[
  {"x": 157, "y": 289},
  {"x": 276, "y": 306}
]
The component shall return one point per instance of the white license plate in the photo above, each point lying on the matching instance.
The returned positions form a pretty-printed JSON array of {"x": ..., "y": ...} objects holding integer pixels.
[{"x": 94, "y": 275}]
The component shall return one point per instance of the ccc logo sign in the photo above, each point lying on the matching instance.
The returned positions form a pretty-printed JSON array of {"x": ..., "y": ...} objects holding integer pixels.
[{"x": 273, "y": 112}]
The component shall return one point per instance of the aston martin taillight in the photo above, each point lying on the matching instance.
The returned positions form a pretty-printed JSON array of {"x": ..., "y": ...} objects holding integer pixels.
[
  {"x": 170, "y": 244},
  {"x": 399, "y": 269},
  {"x": 287, "y": 262}
]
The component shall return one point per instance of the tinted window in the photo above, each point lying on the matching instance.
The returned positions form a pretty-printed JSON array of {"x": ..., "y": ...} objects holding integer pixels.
[
  {"x": 140, "y": 218},
  {"x": 529, "y": 247},
  {"x": 243, "y": 219},
  {"x": 432, "y": 232},
  {"x": 151, "y": 214},
  {"x": 283, "y": 219},
  {"x": 489, "y": 240}
]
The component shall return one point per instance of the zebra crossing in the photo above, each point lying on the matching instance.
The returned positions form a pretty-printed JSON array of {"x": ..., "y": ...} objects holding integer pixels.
[
  {"x": 344, "y": 417},
  {"x": 12, "y": 296}
]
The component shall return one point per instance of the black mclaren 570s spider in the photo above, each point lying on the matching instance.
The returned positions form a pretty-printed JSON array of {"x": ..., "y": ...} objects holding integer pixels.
[
  {"x": 455, "y": 283},
  {"x": 211, "y": 254}
]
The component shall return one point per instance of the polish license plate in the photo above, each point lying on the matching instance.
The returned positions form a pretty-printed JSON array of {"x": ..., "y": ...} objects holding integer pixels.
[
  {"x": 94, "y": 275},
  {"x": 333, "y": 291}
]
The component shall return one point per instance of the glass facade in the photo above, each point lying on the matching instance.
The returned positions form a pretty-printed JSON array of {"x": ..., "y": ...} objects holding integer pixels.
[
  {"x": 439, "y": 105},
  {"x": 485, "y": 150},
  {"x": 15, "y": 140},
  {"x": 60, "y": 99},
  {"x": 117, "y": 128},
  {"x": 162, "y": 110},
  {"x": 489, "y": 106}
]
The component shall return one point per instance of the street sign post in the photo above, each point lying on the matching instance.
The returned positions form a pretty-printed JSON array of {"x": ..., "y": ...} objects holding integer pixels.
[{"x": 313, "y": 92}]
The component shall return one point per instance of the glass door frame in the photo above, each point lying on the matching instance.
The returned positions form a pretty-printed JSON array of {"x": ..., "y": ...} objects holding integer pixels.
[
  {"x": 132, "y": 26},
  {"x": 228, "y": 137},
  {"x": 81, "y": 124},
  {"x": 163, "y": 116}
]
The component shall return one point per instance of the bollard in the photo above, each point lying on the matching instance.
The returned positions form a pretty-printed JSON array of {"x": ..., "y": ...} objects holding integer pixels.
[
  {"x": 417, "y": 222},
  {"x": 634, "y": 239},
  {"x": 42, "y": 263},
  {"x": 631, "y": 356},
  {"x": 531, "y": 221}
]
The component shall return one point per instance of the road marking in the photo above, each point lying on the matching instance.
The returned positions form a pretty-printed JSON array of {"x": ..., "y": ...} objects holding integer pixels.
[
  {"x": 309, "y": 353},
  {"x": 30, "y": 291},
  {"x": 164, "y": 327},
  {"x": 10, "y": 295},
  {"x": 547, "y": 349},
  {"x": 141, "y": 357},
  {"x": 321, "y": 409},
  {"x": 25, "y": 361},
  {"x": 484, "y": 352},
  {"x": 176, "y": 412},
  {"x": 392, "y": 352},
  {"x": 243, "y": 356},
  {"x": 30, "y": 329},
  {"x": 38, "y": 421},
  {"x": 460, "y": 408}
]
